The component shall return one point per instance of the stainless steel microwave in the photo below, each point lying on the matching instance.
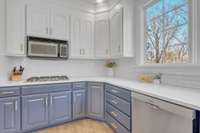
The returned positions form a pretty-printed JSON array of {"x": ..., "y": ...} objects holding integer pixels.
[{"x": 46, "y": 48}]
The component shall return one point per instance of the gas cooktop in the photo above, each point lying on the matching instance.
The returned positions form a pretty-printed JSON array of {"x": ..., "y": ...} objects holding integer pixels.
[{"x": 47, "y": 78}]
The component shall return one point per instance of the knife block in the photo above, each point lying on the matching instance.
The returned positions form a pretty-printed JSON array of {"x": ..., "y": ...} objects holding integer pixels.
[{"x": 16, "y": 76}]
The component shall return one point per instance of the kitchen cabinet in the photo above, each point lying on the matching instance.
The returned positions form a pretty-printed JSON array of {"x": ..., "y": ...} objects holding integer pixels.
[
  {"x": 60, "y": 20},
  {"x": 102, "y": 44},
  {"x": 60, "y": 107},
  {"x": 38, "y": 21},
  {"x": 34, "y": 111},
  {"x": 15, "y": 28},
  {"x": 10, "y": 115},
  {"x": 96, "y": 100},
  {"x": 116, "y": 32},
  {"x": 82, "y": 34},
  {"x": 79, "y": 103},
  {"x": 47, "y": 22}
]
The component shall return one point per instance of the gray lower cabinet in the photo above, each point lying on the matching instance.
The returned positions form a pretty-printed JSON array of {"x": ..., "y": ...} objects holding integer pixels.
[
  {"x": 34, "y": 111},
  {"x": 79, "y": 102},
  {"x": 96, "y": 100},
  {"x": 10, "y": 115},
  {"x": 60, "y": 107}
]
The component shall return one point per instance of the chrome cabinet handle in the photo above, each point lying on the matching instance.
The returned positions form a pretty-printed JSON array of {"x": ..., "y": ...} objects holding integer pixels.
[
  {"x": 114, "y": 114},
  {"x": 114, "y": 91},
  {"x": 51, "y": 100},
  {"x": 114, "y": 102},
  {"x": 46, "y": 101},
  {"x": 7, "y": 92},
  {"x": 16, "y": 106},
  {"x": 114, "y": 126}
]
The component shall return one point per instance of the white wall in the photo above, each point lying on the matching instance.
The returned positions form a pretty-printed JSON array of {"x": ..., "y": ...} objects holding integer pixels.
[{"x": 72, "y": 68}]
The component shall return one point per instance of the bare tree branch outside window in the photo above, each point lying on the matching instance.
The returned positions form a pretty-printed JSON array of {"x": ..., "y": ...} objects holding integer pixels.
[{"x": 167, "y": 32}]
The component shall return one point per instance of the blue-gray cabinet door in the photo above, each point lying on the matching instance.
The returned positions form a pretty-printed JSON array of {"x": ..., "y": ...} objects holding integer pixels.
[
  {"x": 9, "y": 115},
  {"x": 60, "y": 107},
  {"x": 34, "y": 111},
  {"x": 96, "y": 101},
  {"x": 79, "y": 103}
]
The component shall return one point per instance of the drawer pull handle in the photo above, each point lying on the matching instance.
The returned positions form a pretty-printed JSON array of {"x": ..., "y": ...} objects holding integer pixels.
[
  {"x": 114, "y": 91},
  {"x": 7, "y": 92},
  {"x": 114, "y": 102},
  {"x": 114, "y": 114},
  {"x": 114, "y": 126}
]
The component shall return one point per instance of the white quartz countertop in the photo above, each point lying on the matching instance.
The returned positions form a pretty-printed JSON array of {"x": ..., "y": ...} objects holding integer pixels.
[{"x": 187, "y": 97}]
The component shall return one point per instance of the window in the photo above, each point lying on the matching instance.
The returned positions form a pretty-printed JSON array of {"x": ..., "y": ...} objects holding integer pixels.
[{"x": 167, "y": 32}]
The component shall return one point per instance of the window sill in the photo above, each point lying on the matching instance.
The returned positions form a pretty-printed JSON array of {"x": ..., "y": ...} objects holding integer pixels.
[{"x": 167, "y": 66}]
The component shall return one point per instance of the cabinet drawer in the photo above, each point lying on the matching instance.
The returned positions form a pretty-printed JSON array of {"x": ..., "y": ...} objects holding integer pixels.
[
  {"x": 120, "y": 104},
  {"x": 79, "y": 85},
  {"x": 7, "y": 92},
  {"x": 115, "y": 125},
  {"x": 30, "y": 90},
  {"x": 122, "y": 93},
  {"x": 119, "y": 116}
]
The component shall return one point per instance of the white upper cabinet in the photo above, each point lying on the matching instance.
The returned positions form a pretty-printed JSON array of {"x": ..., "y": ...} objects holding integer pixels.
[
  {"x": 38, "y": 21},
  {"x": 102, "y": 45},
  {"x": 87, "y": 35},
  {"x": 82, "y": 34},
  {"x": 75, "y": 49},
  {"x": 47, "y": 22},
  {"x": 59, "y": 28},
  {"x": 116, "y": 32},
  {"x": 15, "y": 28}
]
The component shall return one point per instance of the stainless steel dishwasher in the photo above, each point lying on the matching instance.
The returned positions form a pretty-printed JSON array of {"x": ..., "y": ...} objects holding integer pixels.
[{"x": 151, "y": 115}]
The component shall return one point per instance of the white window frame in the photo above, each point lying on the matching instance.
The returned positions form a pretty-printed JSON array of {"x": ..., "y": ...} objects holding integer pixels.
[{"x": 193, "y": 39}]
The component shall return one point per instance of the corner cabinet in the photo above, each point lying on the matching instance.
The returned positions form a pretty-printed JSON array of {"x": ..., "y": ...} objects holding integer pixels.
[
  {"x": 34, "y": 111},
  {"x": 60, "y": 107},
  {"x": 82, "y": 37},
  {"x": 95, "y": 100},
  {"x": 116, "y": 32},
  {"x": 10, "y": 115},
  {"x": 15, "y": 28},
  {"x": 47, "y": 22}
]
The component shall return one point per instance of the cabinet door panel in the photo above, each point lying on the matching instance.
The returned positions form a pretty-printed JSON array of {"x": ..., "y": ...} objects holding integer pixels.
[
  {"x": 59, "y": 24},
  {"x": 79, "y": 104},
  {"x": 87, "y": 38},
  {"x": 15, "y": 27},
  {"x": 116, "y": 33},
  {"x": 10, "y": 115},
  {"x": 60, "y": 107},
  {"x": 75, "y": 37},
  {"x": 34, "y": 111},
  {"x": 102, "y": 38},
  {"x": 96, "y": 101},
  {"x": 38, "y": 21}
]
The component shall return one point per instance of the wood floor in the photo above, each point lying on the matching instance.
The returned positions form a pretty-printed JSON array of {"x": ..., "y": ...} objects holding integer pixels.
[{"x": 81, "y": 126}]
